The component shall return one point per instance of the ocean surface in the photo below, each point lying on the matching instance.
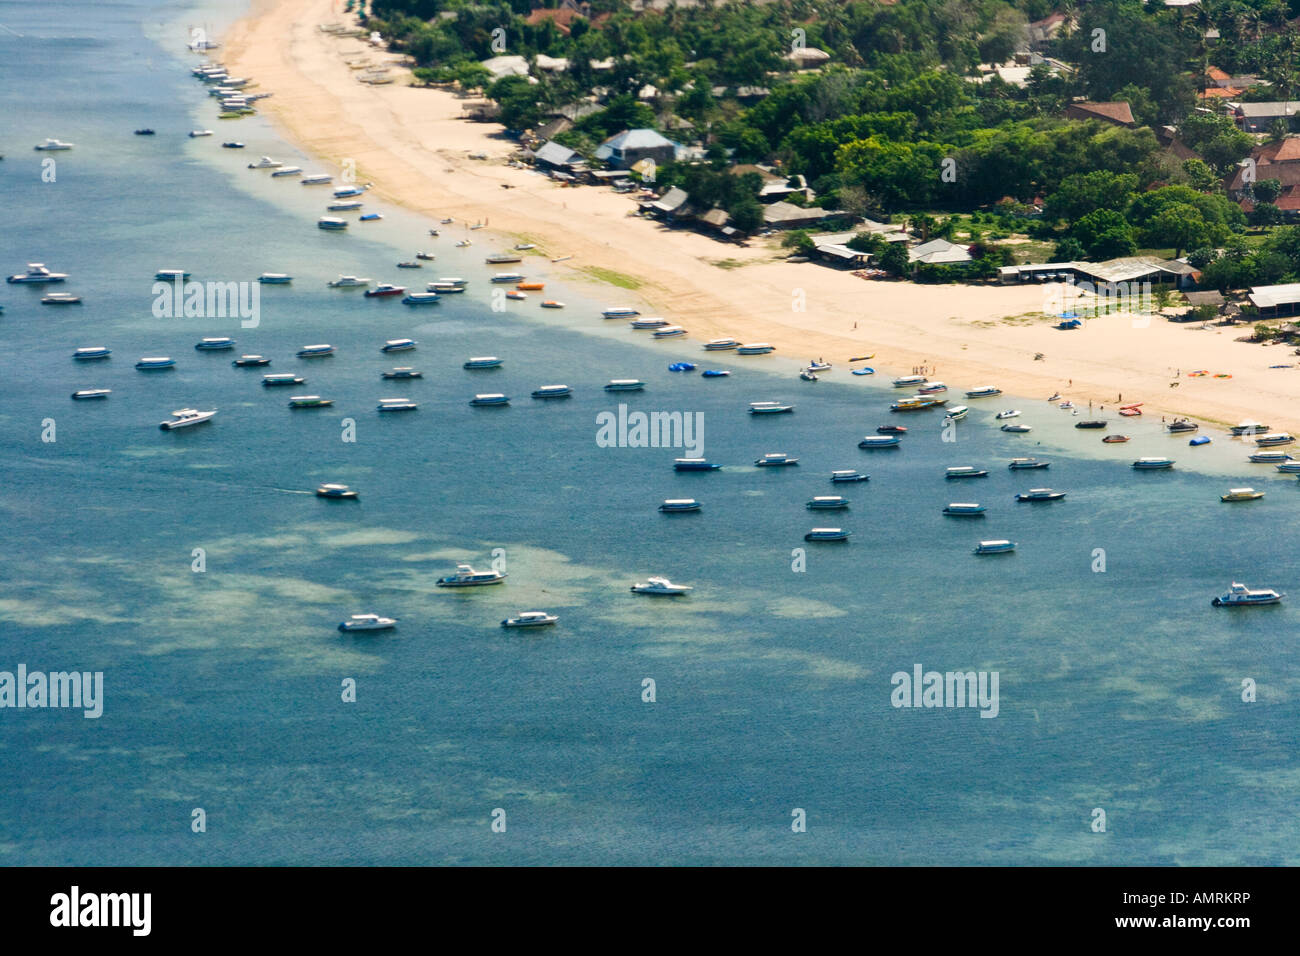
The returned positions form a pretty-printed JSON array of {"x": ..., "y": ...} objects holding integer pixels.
[{"x": 1119, "y": 689}]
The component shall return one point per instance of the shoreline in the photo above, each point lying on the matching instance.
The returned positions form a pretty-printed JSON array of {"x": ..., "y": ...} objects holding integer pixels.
[{"x": 413, "y": 146}]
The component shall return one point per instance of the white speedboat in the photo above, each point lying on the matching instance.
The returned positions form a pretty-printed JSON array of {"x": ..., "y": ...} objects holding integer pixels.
[
  {"x": 965, "y": 471},
  {"x": 756, "y": 348},
  {"x": 827, "y": 503},
  {"x": 397, "y": 405},
  {"x": 37, "y": 273},
  {"x": 957, "y": 412},
  {"x": 720, "y": 345},
  {"x": 349, "y": 282},
  {"x": 315, "y": 351},
  {"x": 317, "y": 179},
  {"x": 1241, "y": 596},
  {"x": 284, "y": 378},
  {"x": 196, "y": 133},
  {"x": 984, "y": 391},
  {"x": 880, "y": 441},
  {"x": 827, "y": 534},
  {"x": 53, "y": 145},
  {"x": 672, "y": 505},
  {"x": 287, "y": 171},
  {"x": 275, "y": 278},
  {"x": 421, "y": 298},
  {"x": 649, "y": 323},
  {"x": 501, "y": 278},
  {"x": 219, "y": 344},
  {"x": 398, "y": 345},
  {"x": 530, "y": 619},
  {"x": 482, "y": 361},
  {"x": 1009, "y": 413},
  {"x": 155, "y": 362},
  {"x": 89, "y": 393},
  {"x": 657, "y": 585},
  {"x": 491, "y": 398},
  {"x": 553, "y": 391},
  {"x": 266, "y": 162},
  {"x": 1153, "y": 464},
  {"x": 667, "y": 332},
  {"x": 402, "y": 372},
  {"x": 185, "y": 417},
  {"x": 776, "y": 459},
  {"x": 624, "y": 385},
  {"x": 769, "y": 408},
  {"x": 368, "y": 622},
  {"x": 467, "y": 577},
  {"x": 995, "y": 547},
  {"x": 60, "y": 298},
  {"x": 1017, "y": 429},
  {"x": 92, "y": 352},
  {"x": 964, "y": 508}
]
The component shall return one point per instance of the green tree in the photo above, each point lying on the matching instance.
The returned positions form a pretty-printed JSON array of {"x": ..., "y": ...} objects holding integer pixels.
[
  {"x": 1104, "y": 234},
  {"x": 1180, "y": 225}
]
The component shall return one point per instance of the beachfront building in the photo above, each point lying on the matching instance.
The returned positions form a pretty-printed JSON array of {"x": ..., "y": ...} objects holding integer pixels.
[
  {"x": 938, "y": 252},
  {"x": 1276, "y": 300},
  {"x": 1129, "y": 269},
  {"x": 785, "y": 215},
  {"x": 626, "y": 149},
  {"x": 553, "y": 155},
  {"x": 502, "y": 66}
]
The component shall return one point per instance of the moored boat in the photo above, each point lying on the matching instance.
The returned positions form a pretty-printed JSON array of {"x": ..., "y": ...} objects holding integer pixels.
[
  {"x": 827, "y": 503},
  {"x": 965, "y": 471},
  {"x": 60, "y": 298},
  {"x": 217, "y": 344},
  {"x": 530, "y": 619},
  {"x": 995, "y": 547},
  {"x": 1242, "y": 494},
  {"x": 287, "y": 378},
  {"x": 309, "y": 401},
  {"x": 773, "y": 459},
  {"x": 1275, "y": 438},
  {"x": 983, "y": 391},
  {"x": 679, "y": 505},
  {"x": 880, "y": 441},
  {"x": 402, "y": 372},
  {"x": 467, "y": 577},
  {"x": 553, "y": 391},
  {"x": 1115, "y": 439},
  {"x": 92, "y": 352},
  {"x": 331, "y": 223},
  {"x": 397, "y": 405},
  {"x": 482, "y": 361},
  {"x": 315, "y": 351},
  {"x": 155, "y": 362},
  {"x": 91, "y": 393},
  {"x": 847, "y": 475},
  {"x": 720, "y": 345},
  {"x": 490, "y": 398},
  {"x": 624, "y": 385},
  {"x": 383, "y": 290},
  {"x": 661, "y": 586},
  {"x": 185, "y": 417},
  {"x": 36, "y": 274},
  {"x": 1270, "y": 457},
  {"x": 398, "y": 345},
  {"x": 757, "y": 348},
  {"x": 1040, "y": 494},
  {"x": 909, "y": 381},
  {"x": 1238, "y": 595},
  {"x": 348, "y": 282},
  {"x": 1024, "y": 464},
  {"x": 769, "y": 408},
  {"x": 694, "y": 464},
  {"x": 1153, "y": 464},
  {"x": 827, "y": 534},
  {"x": 961, "y": 509},
  {"x": 368, "y": 622}
]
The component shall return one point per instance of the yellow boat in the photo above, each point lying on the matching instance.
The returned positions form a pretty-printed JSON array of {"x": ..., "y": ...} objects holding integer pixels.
[{"x": 1241, "y": 494}]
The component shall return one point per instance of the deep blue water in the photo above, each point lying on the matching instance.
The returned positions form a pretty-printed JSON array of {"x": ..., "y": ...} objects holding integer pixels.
[{"x": 1119, "y": 690}]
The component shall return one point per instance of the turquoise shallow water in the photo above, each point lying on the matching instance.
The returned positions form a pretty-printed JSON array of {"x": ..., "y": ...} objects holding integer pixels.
[{"x": 1118, "y": 690}]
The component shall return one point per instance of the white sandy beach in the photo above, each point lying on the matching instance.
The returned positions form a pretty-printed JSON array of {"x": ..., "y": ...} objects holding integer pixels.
[{"x": 413, "y": 145}]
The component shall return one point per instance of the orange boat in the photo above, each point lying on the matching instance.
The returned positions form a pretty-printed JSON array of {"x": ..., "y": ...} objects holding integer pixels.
[{"x": 531, "y": 286}]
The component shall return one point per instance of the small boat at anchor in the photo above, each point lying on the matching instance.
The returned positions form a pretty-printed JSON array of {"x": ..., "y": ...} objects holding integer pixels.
[
  {"x": 482, "y": 361},
  {"x": 965, "y": 471},
  {"x": 492, "y": 398},
  {"x": 402, "y": 372},
  {"x": 967, "y": 509},
  {"x": 624, "y": 385},
  {"x": 552, "y": 391},
  {"x": 1153, "y": 464},
  {"x": 769, "y": 408},
  {"x": 1040, "y": 494},
  {"x": 675, "y": 505},
  {"x": 185, "y": 417},
  {"x": 91, "y": 393},
  {"x": 827, "y": 503},
  {"x": 151, "y": 362},
  {"x": 287, "y": 378},
  {"x": 827, "y": 534},
  {"x": 315, "y": 351},
  {"x": 1242, "y": 494},
  {"x": 1017, "y": 429},
  {"x": 398, "y": 345},
  {"x": 530, "y": 619},
  {"x": 1026, "y": 464},
  {"x": 309, "y": 401},
  {"x": 1114, "y": 439},
  {"x": 661, "y": 586},
  {"x": 775, "y": 459},
  {"x": 217, "y": 344},
  {"x": 995, "y": 547},
  {"x": 368, "y": 622},
  {"x": 880, "y": 441},
  {"x": 1238, "y": 595},
  {"x": 467, "y": 577},
  {"x": 92, "y": 352},
  {"x": 694, "y": 464},
  {"x": 983, "y": 391}
]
